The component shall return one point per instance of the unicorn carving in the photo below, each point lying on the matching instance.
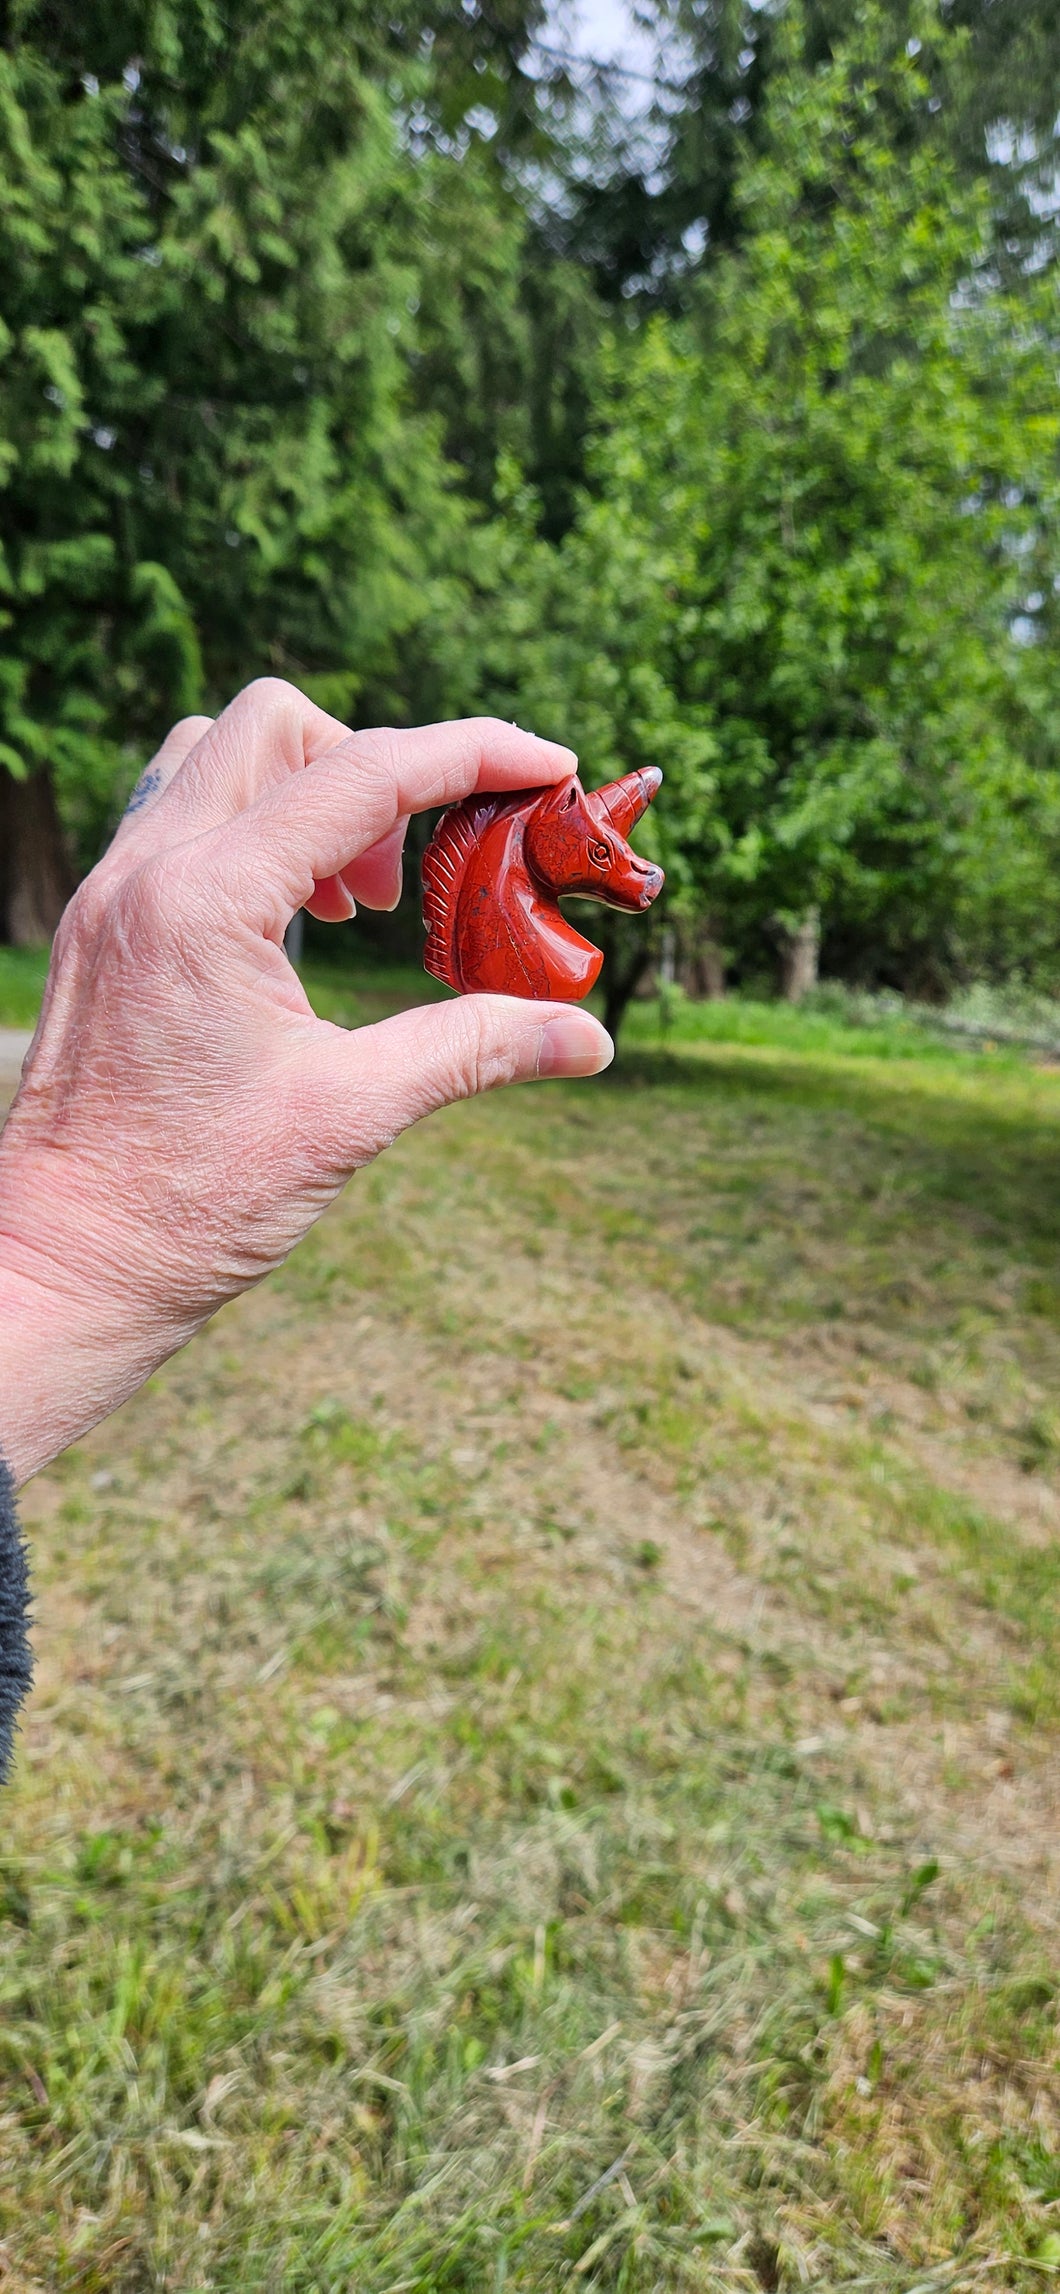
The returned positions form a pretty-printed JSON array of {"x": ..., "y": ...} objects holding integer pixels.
[{"x": 497, "y": 866}]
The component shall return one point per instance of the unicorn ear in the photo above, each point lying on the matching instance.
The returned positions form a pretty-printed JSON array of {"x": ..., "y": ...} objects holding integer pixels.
[
  {"x": 621, "y": 803},
  {"x": 556, "y": 796}
]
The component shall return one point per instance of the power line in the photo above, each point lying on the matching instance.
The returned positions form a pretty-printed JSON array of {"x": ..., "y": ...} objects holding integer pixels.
[{"x": 619, "y": 71}]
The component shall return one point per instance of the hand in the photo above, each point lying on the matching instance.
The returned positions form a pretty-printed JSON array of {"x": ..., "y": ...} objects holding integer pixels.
[{"x": 183, "y": 1117}]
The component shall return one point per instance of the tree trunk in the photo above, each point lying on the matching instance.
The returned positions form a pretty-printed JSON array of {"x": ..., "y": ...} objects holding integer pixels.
[
  {"x": 710, "y": 968},
  {"x": 36, "y": 878},
  {"x": 702, "y": 969},
  {"x": 621, "y": 982},
  {"x": 799, "y": 957}
]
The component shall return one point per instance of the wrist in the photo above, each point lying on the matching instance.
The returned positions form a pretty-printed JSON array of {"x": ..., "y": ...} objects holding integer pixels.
[
  {"x": 40, "y": 1381},
  {"x": 74, "y": 1341},
  {"x": 58, "y": 1373}
]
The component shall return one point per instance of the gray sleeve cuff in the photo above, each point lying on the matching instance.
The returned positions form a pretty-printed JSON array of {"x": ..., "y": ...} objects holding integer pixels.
[{"x": 16, "y": 1662}]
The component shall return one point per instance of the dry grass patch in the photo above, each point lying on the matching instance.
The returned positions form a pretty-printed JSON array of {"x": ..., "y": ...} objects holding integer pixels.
[{"x": 544, "y": 1767}]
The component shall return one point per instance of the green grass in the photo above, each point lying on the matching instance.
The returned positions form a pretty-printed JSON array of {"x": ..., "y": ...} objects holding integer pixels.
[
  {"x": 22, "y": 976},
  {"x": 779, "y": 1026},
  {"x": 544, "y": 1767},
  {"x": 355, "y": 999}
]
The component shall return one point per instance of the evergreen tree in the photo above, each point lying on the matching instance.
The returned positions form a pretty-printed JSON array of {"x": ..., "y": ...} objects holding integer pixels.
[
  {"x": 346, "y": 347},
  {"x": 800, "y": 574},
  {"x": 652, "y": 211}
]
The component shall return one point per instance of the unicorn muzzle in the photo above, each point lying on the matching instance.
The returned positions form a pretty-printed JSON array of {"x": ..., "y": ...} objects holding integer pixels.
[{"x": 630, "y": 882}]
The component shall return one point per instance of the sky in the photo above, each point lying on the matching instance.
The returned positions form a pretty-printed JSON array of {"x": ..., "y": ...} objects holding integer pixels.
[{"x": 605, "y": 28}]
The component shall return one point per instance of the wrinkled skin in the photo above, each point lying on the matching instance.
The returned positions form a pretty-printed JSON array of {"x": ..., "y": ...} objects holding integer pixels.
[{"x": 183, "y": 1116}]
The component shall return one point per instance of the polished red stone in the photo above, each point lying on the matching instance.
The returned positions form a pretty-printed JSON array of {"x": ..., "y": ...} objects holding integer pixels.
[{"x": 495, "y": 869}]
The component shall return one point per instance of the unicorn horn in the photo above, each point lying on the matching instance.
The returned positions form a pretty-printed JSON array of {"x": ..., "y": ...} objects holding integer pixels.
[{"x": 622, "y": 802}]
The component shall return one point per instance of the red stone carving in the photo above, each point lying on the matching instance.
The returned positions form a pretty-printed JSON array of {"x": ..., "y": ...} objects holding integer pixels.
[{"x": 494, "y": 871}]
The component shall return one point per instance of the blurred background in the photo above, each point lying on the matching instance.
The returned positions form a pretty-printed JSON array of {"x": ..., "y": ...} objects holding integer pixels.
[
  {"x": 683, "y": 385},
  {"x": 544, "y": 1767}
]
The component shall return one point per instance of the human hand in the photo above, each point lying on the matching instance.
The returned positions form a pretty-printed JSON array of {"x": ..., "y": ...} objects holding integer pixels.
[{"x": 183, "y": 1116}]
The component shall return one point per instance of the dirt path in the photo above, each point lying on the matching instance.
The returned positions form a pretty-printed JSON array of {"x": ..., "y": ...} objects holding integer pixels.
[{"x": 14, "y": 1044}]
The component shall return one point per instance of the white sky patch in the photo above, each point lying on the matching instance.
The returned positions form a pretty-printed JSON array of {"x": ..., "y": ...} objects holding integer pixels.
[
  {"x": 626, "y": 77},
  {"x": 638, "y": 60},
  {"x": 605, "y": 29}
]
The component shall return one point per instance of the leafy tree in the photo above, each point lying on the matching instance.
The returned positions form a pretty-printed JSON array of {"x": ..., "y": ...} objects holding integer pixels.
[
  {"x": 171, "y": 462},
  {"x": 655, "y": 209},
  {"x": 271, "y": 310},
  {"x": 283, "y": 292},
  {"x": 795, "y": 575}
]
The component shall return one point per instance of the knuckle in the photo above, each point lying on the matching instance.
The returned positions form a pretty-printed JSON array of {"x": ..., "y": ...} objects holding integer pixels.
[
  {"x": 148, "y": 908},
  {"x": 150, "y": 899},
  {"x": 132, "y": 917},
  {"x": 271, "y": 697},
  {"x": 87, "y": 914},
  {"x": 377, "y": 766},
  {"x": 240, "y": 867},
  {"x": 188, "y": 731},
  {"x": 484, "y": 1058},
  {"x": 172, "y": 886},
  {"x": 378, "y": 752}
]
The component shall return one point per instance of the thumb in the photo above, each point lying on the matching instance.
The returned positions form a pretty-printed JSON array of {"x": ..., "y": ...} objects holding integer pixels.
[{"x": 385, "y": 1077}]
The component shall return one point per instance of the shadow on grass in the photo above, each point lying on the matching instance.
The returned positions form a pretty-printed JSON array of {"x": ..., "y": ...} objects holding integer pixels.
[{"x": 945, "y": 1129}]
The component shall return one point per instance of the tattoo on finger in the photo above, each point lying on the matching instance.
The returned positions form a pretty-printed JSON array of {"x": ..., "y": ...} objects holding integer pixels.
[{"x": 145, "y": 788}]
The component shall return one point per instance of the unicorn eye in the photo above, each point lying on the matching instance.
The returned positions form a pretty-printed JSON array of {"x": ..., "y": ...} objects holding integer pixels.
[{"x": 599, "y": 853}]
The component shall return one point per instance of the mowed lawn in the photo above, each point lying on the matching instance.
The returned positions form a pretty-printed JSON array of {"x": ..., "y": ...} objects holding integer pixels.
[{"x": 544, "y": 1772}]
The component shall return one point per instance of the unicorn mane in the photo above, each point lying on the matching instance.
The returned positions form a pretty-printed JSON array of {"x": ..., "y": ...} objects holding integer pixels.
[{"x": 444, "y": 867}]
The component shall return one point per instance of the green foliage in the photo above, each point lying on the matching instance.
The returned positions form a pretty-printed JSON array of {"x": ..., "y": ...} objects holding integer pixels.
[
  {"x": 310, "y": 362},
  {"x": 991, "y": 105},
  {"x": 22, "y": 976},
  {"x": 211, "y": 462},
  {"x": 797, "y": 566}
]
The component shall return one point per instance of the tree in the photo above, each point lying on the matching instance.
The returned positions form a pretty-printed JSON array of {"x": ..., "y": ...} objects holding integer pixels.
[
  {"x": 650, "y": 212},
  {"x": 796, "y": 575},
  {"x": 326, "y": 351},
  {"x": 213, "y": 242}
]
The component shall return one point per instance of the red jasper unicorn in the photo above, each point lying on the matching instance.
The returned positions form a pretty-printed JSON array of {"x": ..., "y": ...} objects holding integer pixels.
[{"x": 497, "y": 866}]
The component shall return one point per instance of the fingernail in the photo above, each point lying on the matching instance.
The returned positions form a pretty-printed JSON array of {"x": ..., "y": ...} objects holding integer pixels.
[{"x": 574, "y": 1046}]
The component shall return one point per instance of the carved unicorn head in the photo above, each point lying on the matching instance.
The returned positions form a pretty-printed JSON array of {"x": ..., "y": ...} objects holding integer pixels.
[{"x": 494, "y": 872}]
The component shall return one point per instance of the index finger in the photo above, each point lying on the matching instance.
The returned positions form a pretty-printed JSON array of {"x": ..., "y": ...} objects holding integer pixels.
[{"x": 314, "y": 823}]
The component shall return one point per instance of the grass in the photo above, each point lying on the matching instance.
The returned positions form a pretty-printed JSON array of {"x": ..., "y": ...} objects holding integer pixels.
[
  {"x": 22, "y": 976},
  {"x": 544, "y": 1767},
  {"x": 803, "y": 1028}
]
